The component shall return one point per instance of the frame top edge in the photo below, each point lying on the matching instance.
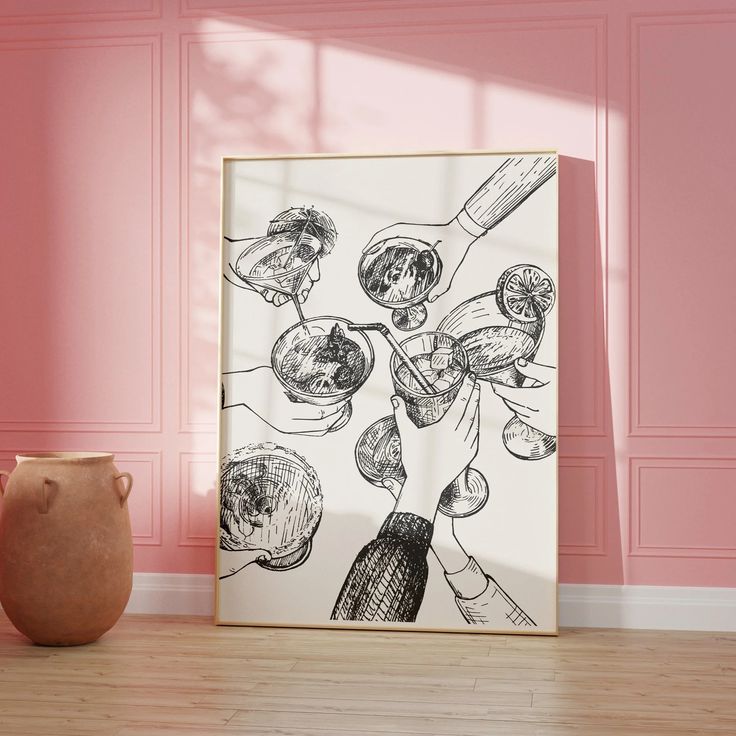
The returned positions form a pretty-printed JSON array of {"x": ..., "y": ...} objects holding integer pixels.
[{"x": 411, "y": 154}]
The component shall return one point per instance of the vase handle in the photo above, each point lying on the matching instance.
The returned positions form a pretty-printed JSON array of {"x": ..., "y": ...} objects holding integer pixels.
[
  {"x": 3, "y": 474},
  {"x": 43, "y": 507},
  {"x": 126, "y": 491}
]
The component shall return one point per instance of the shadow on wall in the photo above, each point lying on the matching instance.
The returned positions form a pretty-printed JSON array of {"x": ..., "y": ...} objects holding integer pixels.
[
  {"x": 288, "y": 94},
  {"x": 585, "y": 390},
  {"x": 384, "y": 93}
]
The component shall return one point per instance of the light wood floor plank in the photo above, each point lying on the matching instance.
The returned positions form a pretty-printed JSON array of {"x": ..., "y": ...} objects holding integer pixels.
[{"x": 156, "y": 676}]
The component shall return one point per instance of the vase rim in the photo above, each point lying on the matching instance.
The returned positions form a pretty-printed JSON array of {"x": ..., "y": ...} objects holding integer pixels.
[{"x": 77, "y": 457}]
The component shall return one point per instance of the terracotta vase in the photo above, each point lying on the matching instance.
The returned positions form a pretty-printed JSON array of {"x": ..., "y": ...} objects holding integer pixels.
[{"x": 66, "y": 551}]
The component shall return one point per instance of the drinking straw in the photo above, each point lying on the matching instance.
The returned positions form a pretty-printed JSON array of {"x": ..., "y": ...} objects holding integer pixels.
[
  {"x": 290, "y": 256},
  {"x": 405, "y": 359}
]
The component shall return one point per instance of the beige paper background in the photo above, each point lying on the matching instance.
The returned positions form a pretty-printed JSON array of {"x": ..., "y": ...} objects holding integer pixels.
[{"x": 514, "y": 538}]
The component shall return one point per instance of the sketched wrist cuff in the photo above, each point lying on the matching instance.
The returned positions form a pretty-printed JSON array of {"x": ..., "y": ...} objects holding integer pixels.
[
  {"x": 408, "y": 527},
  {"x": 468, "y": 224},
  {"x": 469, "y": 582}
]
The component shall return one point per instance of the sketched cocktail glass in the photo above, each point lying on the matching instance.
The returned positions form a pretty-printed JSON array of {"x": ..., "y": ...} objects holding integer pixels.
[
  {"x": 494, "y": 342},
  {"x": 468, "y": 493},
  {"x": 270, "y": 501},
  {"x": 318, "y": 383},
  {"x": 279, "y": 263},
  {"x": 399, "y": 274}
]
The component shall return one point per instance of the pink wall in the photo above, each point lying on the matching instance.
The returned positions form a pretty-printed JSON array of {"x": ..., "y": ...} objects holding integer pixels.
[{"x": 115, "y": 115}]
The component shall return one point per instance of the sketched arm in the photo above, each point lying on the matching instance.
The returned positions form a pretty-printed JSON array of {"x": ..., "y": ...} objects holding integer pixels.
[
  {"x": 480, "y": 599},
  {"x": 388, "y": 577},
  {"x": 507, "y": 188},
  {"x": 512, "y": 183}
]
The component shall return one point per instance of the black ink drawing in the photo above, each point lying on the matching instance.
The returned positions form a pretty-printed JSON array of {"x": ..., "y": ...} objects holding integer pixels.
[
  {"x": 315, "y": 368},
  {"x": 271, "y": 499},
  {"x": 501, "y": 332},
  {"x": 298, "y": 221},
  {"x": 400, "y": 276},
  {"x": 270, "y": 508},
  {"x": 427, "y": 371},
  {"x": 490, "y": 607},
  {"x": 378, "y": 457},
  {"x": 378, "y": 453},
  {"x": 479, "y": 598},
  {"x": 283, "y": 264},
  {"x": 513, "y": 182},
  {"x": 262, "y": 393},
  {"x": 388, "y": 577},
  {"x": 319, "y": 364},
  {"x": 406, "y": 264}
]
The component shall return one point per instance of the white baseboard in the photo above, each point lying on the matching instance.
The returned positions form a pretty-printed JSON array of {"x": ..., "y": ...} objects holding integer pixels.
[
  {"x": 608, "y": 606},
  {"x": 168, "y": 593},
  {"x": 648, "y": 607}
]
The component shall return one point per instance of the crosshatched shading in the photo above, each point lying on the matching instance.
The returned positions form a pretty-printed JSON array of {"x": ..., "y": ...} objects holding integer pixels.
[{"x": 270, "y": 500}]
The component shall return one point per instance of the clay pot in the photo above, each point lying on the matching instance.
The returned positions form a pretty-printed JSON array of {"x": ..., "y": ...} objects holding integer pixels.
[{"x": 66, "y": 551}]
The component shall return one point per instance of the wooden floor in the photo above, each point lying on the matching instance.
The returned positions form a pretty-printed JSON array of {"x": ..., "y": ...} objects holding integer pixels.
[{"x": 154, "y": 676}]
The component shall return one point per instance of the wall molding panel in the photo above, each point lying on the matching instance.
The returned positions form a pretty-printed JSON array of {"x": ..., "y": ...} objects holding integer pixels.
[
  {"x": 594, "y": 527},
  {"x": 77, "y": 11},
  {"x": 151, "y": 422},
  {"x": 151, "y": 533},
  {"x": 189, "y": 535},
  {"x": 199, "y": 8},
  {"x": 677, "y": 21},
  {"x": 711, "y": 479},
  {"x": 147, "y": 512}
]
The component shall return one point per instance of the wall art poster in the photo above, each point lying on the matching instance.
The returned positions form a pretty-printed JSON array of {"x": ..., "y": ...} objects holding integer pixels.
[{"x": 388, "y": 406}]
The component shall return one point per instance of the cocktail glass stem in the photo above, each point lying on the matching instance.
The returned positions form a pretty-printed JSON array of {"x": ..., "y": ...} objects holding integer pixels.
[
  {"x": 298, "y": 306},
  {"x": 409, "y": 318},
  {"x": 298, "y": 286}
]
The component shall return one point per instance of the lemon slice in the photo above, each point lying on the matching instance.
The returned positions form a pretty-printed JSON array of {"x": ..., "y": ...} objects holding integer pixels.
[{"x": 525, "y": 293}]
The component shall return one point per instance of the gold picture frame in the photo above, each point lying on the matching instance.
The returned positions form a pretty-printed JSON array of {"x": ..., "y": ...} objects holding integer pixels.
[{"x": 305, "y": 480}]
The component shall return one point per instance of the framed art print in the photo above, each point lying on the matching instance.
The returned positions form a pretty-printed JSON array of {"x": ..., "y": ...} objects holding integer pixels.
[{"x": 388, "y": 407}]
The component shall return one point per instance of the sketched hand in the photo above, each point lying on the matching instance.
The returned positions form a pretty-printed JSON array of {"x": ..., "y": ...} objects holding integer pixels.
[
  {"x": 270, "y": 295},
  {"x": 259, "y": 390},
  {"x": 535, "y": 405},
  {"x": 450, "y": 240},
  {"x": 277, "y": 298},
  {"x": 433, "y": 456},
  {"x": 232, "y": 561}
]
